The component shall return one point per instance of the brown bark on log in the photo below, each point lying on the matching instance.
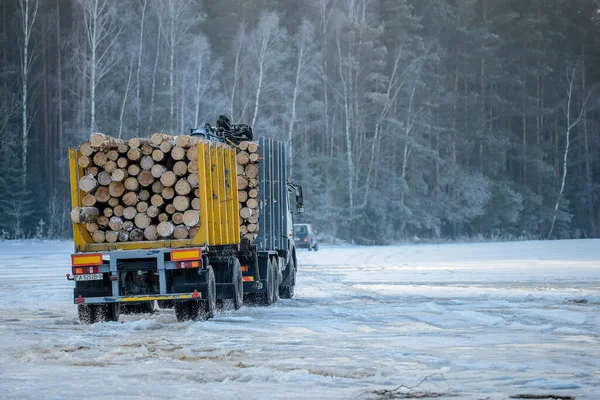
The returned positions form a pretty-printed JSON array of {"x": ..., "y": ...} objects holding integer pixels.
[
  {"x": 83, "y": 215},
  {"x": 192, "y": 232},
  {"x": 102, "y": 194},
  {"x": 145, "y": 178},
  {"x": 88, "y": 183},
  {"x": 168, "y": 179},
  {"x": 144, "y": 195},
  {"x": 150, "y": 232},
  {"x": 130, "y": 199},
  {"x": 130, "y": 213},
  {"x": 142, "y": 220}
]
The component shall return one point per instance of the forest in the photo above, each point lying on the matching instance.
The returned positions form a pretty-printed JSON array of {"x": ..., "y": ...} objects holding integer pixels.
[{"x": 404, "y": 119}]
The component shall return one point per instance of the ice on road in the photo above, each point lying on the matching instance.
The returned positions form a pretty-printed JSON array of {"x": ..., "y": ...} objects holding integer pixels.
[{"x": 484, "y": 320}]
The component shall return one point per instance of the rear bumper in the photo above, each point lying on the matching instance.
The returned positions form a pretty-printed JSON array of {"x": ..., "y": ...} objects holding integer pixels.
[
  {"x": 303, "y": 245},
  {"x": 135, "y": 299}
]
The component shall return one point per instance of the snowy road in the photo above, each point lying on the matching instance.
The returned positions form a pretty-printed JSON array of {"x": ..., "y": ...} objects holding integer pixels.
[{"x": 491, "y": 320}]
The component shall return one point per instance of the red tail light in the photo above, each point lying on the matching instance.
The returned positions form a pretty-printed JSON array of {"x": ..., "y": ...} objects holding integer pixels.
[
  {"x": 306, "y": 239},
  {"x": 188, "y": 264},
  {"x": 85, "y": 270}
]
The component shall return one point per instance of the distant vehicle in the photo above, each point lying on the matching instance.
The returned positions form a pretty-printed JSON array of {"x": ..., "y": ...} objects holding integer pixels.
[{"x": 304, "y": 237}]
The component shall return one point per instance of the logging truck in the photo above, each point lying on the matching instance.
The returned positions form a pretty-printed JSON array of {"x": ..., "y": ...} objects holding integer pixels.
[{"x": 186, "y": 222}]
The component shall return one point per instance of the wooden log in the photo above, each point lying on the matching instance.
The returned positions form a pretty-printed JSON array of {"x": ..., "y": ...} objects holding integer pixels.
[
  {"x": 157, "y": 200},
  {"x": 168, "y": 193},
  {"x": 130, "y": 199},
  {"x": 178, "y": 153},
  {"x": 122, "y": 162},
  {"x": 102, "y": 195},
  {"x": 102, "y": 222},
  {"x": 113, "y": 155},
  {"x": 147, "y": 162},
  {"x": 133, "y": 170},
  {"x": 141, "y": 206},
  {"x": 180, "y": 168},
  {"x": 130, "y": 213},
  {"x": 183, "y": 140},
  {"x": 254, "y": 157},
  {"x": 147, "y": 149},
  {"x": 123, "y": 236},
  {"x": 112, "y": 236},
  {"x": 163, "y": 217},
  {"x": 116, "y": 189},
  {"x": 145, "y": 178},
  {"x": 252, "y": 203},
  {"x": 136, "y": 235},
  {"x": 158, "y": 138},
  {"x": 128, "y": 226},
  {"x": 134, "y": 154},
  {"x": 98, "y": 237},
  {"x": 119, "y": 175},
  {"x": 88, "y": 183},
  {"x": 243, "y": 146},
  {"x": 83, "y": 215},
  {"x": 104, "y": 142},
  {"x": 153, "y": 211},
  {"x": 253, "y": 219},
  {"x": 252, "y": 147},
  {"x": 197, "y": 192},
  {"x": 252, "y": 228},
  {"x": 196, "y": 203},
  {"x": 193, "y": 180},
  {"x": 192, "y": 154},
  {"x": 251, "y": 171},
  {"x": 122, "y": 148},
  {"x": 138, "y": 142},
  {"x": 252, "y": 183},
  {"x": 88, "y": 200},
  {"x": 150, "y": 232},
  {"x": 243, "y": 158},
  {"x": 91, "y": 227},
  {"x": 100, "y": 159},
  {"x": 115, "y": 223},
  {"x": 108, "y": 212},
  {"x": 242, "y": 182},
  {"x": 192, "y": 232},
  {"x": 118, "y": 210},
  {"x": 166, "y": 146},
  {"x": 191, "y": 218},
  {"x": 250, "y": 236},
  {"x": 180, "y": 232},
  {"x": 84, "y": 161},
  {"x": 246, "y": 212},
  {"x": 142, "y": 220},
  {"x": 181, "y": 203},
  {"x": 86, "y": 149},
  {"x": 158, "y": 170},
  {"x": 144, "y": 195},
  {"x": 170, "y": 209},
  {"x": 165, "y": 229},
  {"x": 93, "y": 171},
  {"x": 243, "y": 229},
  {"x": 132, "y": 184},
  {"x": 193, "y": 167},
  {"x": 158, "y": 155},
  {"x": 177, "y": 218},
  {"x": 104, "y": 178},
  {"x": 157, "y": 187},
  {"x": 239, "y": 168},
  {"x": 110, "y": 166},
  {"x": 253, "y": 193},
  {"x": 182, "y": 187},
  {"x": 168, "y": 179},
  {"x": 242, "y": 196}
]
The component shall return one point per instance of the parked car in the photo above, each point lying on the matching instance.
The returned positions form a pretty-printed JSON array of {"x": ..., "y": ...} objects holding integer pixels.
[{"x": 304, "y": 237}]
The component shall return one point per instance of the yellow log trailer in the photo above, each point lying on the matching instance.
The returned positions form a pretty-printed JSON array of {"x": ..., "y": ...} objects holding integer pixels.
[{"x": 191, "y": 275}]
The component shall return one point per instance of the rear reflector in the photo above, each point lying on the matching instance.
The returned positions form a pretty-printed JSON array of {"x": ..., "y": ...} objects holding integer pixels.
[
  {"x": 86, "y": 260},
  {"x": 114, "y": 278},
  {"x": 188, "y": 264},
  {"x": 80, "y": 300},
  {"x": 85, "y": 270},
  {"x": 186, "y": 254},
  {"x": 195, "y": 295},
  {"x": 248, "y": 278},
  {"x": 244, "y": 268}
]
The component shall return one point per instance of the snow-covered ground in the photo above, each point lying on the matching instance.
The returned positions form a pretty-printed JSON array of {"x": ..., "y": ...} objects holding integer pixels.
[{"x": 486, "y": 320}]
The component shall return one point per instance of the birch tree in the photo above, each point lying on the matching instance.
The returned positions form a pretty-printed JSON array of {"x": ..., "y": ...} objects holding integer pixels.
[
  {"x": 144, "y": 7},
  {"x": 28, "y": 10}
]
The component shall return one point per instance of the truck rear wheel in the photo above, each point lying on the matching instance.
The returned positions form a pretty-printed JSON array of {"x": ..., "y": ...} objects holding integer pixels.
[
  {"x": 88, "y": 313},
  {"x": 238, "y": 285},
  {"x": 267, "y": 295},
  {"x": 113, "y": 312},
  {"x": 287, "y": 292},
  {"x": 276, "y": 282},
  {"x": 182, "y": 311},
  {"x": 210, "y": 305}
]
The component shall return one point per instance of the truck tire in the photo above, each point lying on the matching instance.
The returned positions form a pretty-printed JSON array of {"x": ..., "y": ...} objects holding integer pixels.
[
  {"x": 88, "y": 313},
  {"x": 238, "y": 285},
  {"x": 267, "y": 295},
  {"x": 316, "y": 247},
  {"x": 165, "y": 303},
  {"x": 287, "y": 292},
  {"x": 182, "y": 311},
  {"x": 276, "y": 282},
  {"x": 113, "y": 312},
  {"x": 210, "y": 305}
]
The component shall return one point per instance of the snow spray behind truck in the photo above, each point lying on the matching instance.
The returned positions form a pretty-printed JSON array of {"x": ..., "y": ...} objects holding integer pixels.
[{"x": 183, "y": 220}]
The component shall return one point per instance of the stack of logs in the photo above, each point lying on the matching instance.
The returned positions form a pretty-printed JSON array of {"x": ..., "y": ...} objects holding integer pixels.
[
  {"x": 247, "y": 178},
  {"x": 147, "y": 189}
]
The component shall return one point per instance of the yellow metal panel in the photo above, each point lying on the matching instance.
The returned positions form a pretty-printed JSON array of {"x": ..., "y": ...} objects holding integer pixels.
[
  {"x": 232, "y": 203},
  {"x": 210, "y": 217},
  {"x": 202, "y": 237},
  {"x": 81, "y": 237},
  {"x": 216, "y": 210},
  {"x": 222, "y": 194},
  {"x": 92, "y": 259}
]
